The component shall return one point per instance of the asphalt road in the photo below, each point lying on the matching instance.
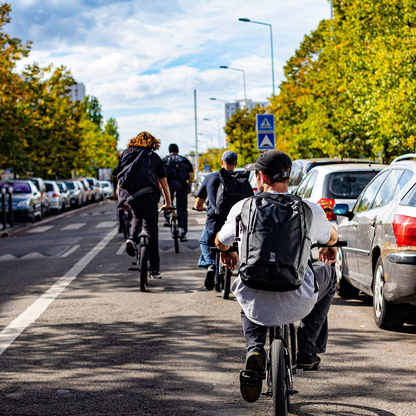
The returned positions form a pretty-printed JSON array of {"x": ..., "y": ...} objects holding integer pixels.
[{"x": 79, "y": 338}]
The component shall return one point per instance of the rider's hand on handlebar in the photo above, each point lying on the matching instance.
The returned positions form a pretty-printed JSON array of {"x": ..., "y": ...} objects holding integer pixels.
[
  {"x": 125, "y": 207},
  {"x": 229, "y": 259},
  {"x": 166, "y": 208},
  {"x": 328, "y": 254}
]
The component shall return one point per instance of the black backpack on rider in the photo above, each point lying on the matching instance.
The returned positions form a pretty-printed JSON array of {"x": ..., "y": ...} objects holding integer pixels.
[
  {"x": 176, "y": 168},
  {"x": 275, "y": 241},
  {"x": 234, "y": 186},
  {"x": 135, "y": 171}
]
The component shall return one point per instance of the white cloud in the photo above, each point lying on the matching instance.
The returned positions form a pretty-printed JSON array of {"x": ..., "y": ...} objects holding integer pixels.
[{"x": 149, "y": 56}]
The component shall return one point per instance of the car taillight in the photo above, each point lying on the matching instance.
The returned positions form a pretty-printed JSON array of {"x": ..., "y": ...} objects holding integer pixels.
[
  {"x": 404, "y": 228},
  {"x": 327, "y": 205},
  {"x": 55, "y": 195},
  {"x": 255, "y": 189}
]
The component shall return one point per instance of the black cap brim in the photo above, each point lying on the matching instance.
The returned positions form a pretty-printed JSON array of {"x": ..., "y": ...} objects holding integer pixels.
[{"x": 250, "y": 166}]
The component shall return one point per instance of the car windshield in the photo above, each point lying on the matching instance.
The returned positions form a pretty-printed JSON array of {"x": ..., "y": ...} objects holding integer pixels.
[
  {"x": 91, "y": 182},
  {"x": 49, "y": 187},
  {"x": 348, "y": 185},
  {"x": 61, "y": 187},
  {"x": 18, "y": 188},
  {"x": 70, "y": 185},
  {"x": 410, "y": 198}
]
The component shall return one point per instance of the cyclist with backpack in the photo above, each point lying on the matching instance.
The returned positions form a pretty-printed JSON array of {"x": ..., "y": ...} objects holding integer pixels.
[
  {"x": 223, "y": 189},
  {"x": 179, "y": 171},
  {"x": 140, "y": 171},
  {"x": 275, "y": 284}
]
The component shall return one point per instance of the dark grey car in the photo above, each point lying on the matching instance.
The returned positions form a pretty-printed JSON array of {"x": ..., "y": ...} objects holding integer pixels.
[{"x": 380, "y": 258}]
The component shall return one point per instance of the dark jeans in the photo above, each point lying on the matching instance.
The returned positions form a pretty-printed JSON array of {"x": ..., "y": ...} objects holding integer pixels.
[
  {"x": 181, "y": 192},
  {"x": 145, "y": 211},
  {"x": 207, "y": 240},
  {"x": 313, "y": 329}
]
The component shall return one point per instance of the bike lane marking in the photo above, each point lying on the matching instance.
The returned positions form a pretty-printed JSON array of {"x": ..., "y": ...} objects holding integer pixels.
[
  {"x": 33, "y": 312},
  {"x": 121, "y": 250},
  {"x": 71, "y": 250}
]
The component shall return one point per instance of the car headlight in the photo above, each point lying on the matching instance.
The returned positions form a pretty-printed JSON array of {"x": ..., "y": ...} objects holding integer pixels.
[{"x": 23, "y": 203}]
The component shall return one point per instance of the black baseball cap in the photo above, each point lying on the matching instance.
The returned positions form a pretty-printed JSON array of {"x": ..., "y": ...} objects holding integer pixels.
[
  {"x": 230, "y": 157},
  {"x": 272, "y": 163}
]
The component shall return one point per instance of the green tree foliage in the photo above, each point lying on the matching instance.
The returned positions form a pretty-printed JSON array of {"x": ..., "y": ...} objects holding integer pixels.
[
  {"x": 350, "y": 88},
  {"x": 92, "y": 109}
]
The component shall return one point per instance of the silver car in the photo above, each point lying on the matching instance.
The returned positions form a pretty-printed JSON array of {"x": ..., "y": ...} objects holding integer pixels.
[
  {"x": 66, "y": 195},
  {"x": 76, "y": 192},
  {"x": 95, "y": 188},
  {"x": 56, "y": 199},
  {"x": 380, "y": 258}
]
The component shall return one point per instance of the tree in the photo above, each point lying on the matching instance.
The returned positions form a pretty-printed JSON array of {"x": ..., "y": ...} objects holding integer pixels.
[{"x": 92, "y": 108}]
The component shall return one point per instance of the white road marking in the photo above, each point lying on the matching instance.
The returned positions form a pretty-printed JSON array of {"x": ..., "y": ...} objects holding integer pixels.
[
  {"x": 106, "y": 224},
  {"x": 33, "y": 312},
  {"x": 200, "y": 220},
  {"x": 75, "y": 226},
  {"x": 33, "y": 256},
  {"x": 7, "y": 257},
  {"x": 41, "y": 229},
  {"x": 121, "y": 250},
  {"x": 71, "y": 250},
  {"x": 190, "y": 235}
]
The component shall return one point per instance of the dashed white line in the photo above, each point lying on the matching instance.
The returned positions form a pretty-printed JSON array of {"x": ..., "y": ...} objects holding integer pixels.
[
  {"x": 71, "y": 250},
  {"x": 41, "y": 229},
  {"x": 75, "y": 226},
  {"x": 106, "y": 224},
  {"x": 121, "y": 249},
  {"x": 33, "y": 312}
]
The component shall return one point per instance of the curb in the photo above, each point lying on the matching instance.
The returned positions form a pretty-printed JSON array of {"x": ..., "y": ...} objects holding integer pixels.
[{"x": 9, "y": 232}]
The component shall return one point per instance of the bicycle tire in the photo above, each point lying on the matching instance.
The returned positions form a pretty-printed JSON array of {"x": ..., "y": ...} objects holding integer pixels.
[
  {"x": 227, "y": 284},
  {"x": 143, "y": 269},
  {"x": 175, "y": 236},
  {"x": 278, "y": 379}
]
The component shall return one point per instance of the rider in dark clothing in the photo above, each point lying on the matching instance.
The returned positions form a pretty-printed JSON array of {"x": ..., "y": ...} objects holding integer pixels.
[{"x": 179, "y": 171}]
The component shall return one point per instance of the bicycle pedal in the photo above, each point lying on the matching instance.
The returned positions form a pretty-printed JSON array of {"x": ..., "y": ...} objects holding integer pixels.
[
  {"x": 134, "y": 263},
  {"x": 291, "y": 392}
]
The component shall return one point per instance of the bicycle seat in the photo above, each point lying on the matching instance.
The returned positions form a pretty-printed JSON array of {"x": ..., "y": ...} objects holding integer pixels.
[{"x": 144, "y": 234}]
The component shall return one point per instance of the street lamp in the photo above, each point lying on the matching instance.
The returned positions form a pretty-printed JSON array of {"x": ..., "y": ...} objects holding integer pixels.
[
  {"x": 271, "y": 42},
  {"x": 210, "y": 136},
  {"x": 244, "y": 79},
  {"x": 219, "y": 139},
  {"x": 217, "y": 99}
]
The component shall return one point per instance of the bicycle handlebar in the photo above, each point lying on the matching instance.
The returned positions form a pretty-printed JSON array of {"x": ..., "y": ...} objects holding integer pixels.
[
  {"x": 199, "y": 210},
  {"x": 232, "y": 249},
  {"x": 169, "y": 210},
  {"x": 337, "y": 244}
]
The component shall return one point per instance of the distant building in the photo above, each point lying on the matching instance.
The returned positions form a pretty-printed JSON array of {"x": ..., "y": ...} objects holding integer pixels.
[
  {"x": 231, "y": 108},
  {"x": 77, "y": 92}
]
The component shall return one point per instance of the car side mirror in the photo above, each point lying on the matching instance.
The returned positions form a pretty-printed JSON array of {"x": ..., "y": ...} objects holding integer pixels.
[{"x": 342, "y": 209}]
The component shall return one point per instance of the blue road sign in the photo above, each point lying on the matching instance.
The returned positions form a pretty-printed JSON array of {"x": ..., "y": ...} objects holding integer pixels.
[
  {"x": 264, "y": 122},
  {"x": 265, "y": 141}
]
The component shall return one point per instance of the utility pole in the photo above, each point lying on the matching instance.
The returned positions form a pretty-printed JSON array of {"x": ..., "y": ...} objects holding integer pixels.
[{"x": 196, "y": 138}]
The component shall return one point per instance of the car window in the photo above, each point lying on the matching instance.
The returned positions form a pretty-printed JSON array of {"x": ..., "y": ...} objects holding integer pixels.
[
  {"x": 70, "y": 185},
  {"x": 347, "y": 185},
  {"x": 366, "y": 200},
  {"x": 302, "y": 186},
  {"x": 61, "y": 188},
  {"x": 18, "y": 187},
  {"x": 49, "y": 187},
  {"x": 308, "y": 189},
  {"x": 296, "y": 175},
  {"x": 407, "y": 175},
  {"x": 386, "y": 191},
  {"x": 410, "y": 198}
]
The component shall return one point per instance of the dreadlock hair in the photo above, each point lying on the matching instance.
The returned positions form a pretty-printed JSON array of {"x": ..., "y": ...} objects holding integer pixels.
[{"x": 146, "y": 140}]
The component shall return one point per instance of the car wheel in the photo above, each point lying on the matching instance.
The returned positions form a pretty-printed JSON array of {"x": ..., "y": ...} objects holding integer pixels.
[
  {"x": 387, "y": 315},
  {"x": 345, "y": 289}
]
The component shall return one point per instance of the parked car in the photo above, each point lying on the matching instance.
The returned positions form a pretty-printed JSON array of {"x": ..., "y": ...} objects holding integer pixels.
[
  {"x": 327, "y": 185},
  {"x": 26, "y": 200},
  {"x": 107, "y": 189},
  {"x": 46, "y": 205},
  {"x": 55, "y": 196},
  {"x": 76, "y": 192},
  {"x": 301, "y": 167},
  {"x": 380, "y": 258},
  {"x": 87, "y": 189},
  {"x": 95, "y": 188},
  {"x": 198, "y": 182},
  {"x": 66, "y": 195}
]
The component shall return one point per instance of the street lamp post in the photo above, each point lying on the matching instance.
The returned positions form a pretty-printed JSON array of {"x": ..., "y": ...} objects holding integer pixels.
[
  {"x": 244, "y": 79},
  {"x": 271, "y": 42},
  {"x": 219, "y": 138},
  {"x": 217, "y": 99}
]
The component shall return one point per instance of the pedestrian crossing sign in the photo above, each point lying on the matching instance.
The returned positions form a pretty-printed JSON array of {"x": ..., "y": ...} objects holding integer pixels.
[
  {"x": 264, "y": 122},
  {"x": 265, "y": 141}
]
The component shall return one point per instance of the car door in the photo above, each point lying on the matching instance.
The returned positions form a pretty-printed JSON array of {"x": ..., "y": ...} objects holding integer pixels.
[
  {"x": 350, "y": 229},
  {"x": 367, "y": 224}
]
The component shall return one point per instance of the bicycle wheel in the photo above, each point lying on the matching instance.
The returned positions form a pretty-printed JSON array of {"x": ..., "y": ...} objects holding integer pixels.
[
  {"x": 227, "y": 284},
  {"x": 175, "y": 235},
  {"x": 278, "y": 379},
  {"x": 143, "y": 269}
]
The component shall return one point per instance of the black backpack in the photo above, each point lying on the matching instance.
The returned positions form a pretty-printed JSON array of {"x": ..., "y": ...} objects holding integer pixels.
[
  {"x": 136, "y": 172},
  {"x": 176, "y": 168},
  {"x": 234, "y": 186},
  {"x": 276, "y": 241}
]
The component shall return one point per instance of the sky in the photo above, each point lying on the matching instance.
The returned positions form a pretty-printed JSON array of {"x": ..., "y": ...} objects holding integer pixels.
[{"x": 143, "y": 59}]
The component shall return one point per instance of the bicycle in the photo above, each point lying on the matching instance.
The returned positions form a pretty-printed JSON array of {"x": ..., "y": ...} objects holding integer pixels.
[
  {"x": 142, "y": 259},
  {"x": 223, "y": 274},
  {"x": 125, "y": 222},
  {"x": 174, "y": 228},
  {"x": 281, "y": 363}
]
